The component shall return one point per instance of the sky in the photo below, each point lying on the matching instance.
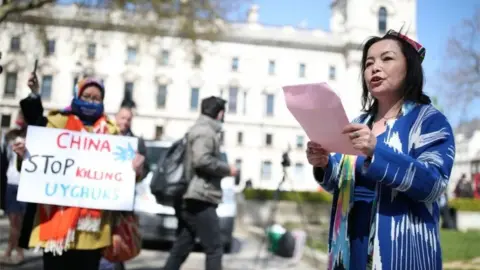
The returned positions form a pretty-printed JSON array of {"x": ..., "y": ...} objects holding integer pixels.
[{"x": 436, "y": 22}]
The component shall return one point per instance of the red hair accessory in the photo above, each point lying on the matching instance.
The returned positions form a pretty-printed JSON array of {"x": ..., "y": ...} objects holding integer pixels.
[{"x": 417, "y": 46}]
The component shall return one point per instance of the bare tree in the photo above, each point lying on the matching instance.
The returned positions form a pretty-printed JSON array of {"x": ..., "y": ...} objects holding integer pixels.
[
  {"x": 9, "y": 7},
  {"x": 189, "y": 19},
  {"x": 462, "y": 69}
]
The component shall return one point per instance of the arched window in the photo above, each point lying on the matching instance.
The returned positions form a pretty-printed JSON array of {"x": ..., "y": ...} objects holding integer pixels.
[{"x": 382, "y": 20}]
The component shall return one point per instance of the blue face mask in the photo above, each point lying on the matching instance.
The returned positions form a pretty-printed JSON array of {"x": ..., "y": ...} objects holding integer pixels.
[{"x": 88, "y": 112}]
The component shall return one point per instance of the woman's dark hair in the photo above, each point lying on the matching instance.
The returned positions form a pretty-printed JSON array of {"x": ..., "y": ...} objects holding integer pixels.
[{"x": 414, "y": 79}]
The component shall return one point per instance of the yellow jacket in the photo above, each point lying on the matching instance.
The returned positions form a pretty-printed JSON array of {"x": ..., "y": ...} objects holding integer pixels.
[{"x": 83, "y": 240}]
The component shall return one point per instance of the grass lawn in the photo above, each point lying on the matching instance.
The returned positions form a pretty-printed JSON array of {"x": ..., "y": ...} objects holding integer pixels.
[
  {"x": 456, "y": 246},
  {"x": 460, "y": 246}
]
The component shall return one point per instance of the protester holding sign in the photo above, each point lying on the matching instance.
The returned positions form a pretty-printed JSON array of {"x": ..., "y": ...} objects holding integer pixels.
[
  {"x": 74, "y": 237},
  {"x": 385, "y": 212}
]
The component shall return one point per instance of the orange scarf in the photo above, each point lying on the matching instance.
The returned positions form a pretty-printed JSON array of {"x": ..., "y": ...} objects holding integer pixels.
[{"x": 58, "y": 224}]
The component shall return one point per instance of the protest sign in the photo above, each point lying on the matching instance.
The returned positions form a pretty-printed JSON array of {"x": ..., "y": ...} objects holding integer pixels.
[
  {"x": 79, "y": 169},
  {"x": 319, "y": 110}
]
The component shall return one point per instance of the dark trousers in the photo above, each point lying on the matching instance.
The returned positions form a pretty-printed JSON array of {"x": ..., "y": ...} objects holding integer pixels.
[
  {"x": 178, "y": 206},
  {"x": 199, "y": 220},
  {"x": 72, "y": 260},
  {"x": 448, "y": 221},
  {"x": 106, "y": 265}
]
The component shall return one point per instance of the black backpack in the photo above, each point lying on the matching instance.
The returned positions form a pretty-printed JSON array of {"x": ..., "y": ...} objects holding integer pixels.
[{"x": 169, "y": 181}]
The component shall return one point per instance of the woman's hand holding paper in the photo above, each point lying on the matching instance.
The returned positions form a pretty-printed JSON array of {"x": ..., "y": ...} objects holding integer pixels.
[
  {"x": 362, "y": 138},
  {"x": 317, "y": 155}
]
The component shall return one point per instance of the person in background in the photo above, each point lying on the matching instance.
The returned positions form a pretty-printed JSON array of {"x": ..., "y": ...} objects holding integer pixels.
[
  {"x": 86, "y": 112},
  {"x": 10, "y": 178},
  {"x": 476, "y": 186},
  {"x": 123, "y": 120},
  {"x": 248, "y": 184},
  {"x": 464, "y": 188},
  {"x": 205, "y": 169},
  {"x": 386, "y": 197},
  {"x": 448, "y": 221}
]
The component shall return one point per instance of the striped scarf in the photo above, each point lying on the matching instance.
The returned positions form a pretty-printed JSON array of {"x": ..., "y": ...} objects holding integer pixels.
[{"x": 339, "y": 251}]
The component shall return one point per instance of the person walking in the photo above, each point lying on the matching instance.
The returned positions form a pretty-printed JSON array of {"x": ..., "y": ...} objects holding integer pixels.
[{"x": 206, "y": 170}]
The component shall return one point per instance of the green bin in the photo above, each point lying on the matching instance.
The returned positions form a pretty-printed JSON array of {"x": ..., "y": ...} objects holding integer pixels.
[{"x": 274, "y": 233}]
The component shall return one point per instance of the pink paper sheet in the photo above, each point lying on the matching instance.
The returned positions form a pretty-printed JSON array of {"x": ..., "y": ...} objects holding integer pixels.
[{"x": 321, "y": 114}]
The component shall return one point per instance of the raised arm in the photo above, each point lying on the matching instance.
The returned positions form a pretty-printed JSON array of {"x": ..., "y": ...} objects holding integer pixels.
[
  {"x": 423, "y": 177},
  {"x": 32, "y": 110}
]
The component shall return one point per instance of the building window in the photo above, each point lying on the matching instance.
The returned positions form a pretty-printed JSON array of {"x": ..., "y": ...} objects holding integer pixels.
[
  {"x": 299, "y": 171},
  {"x": 10, "y": 85},
  {"x": 239, "y": 138},
  {"x": 271, "y": 67},
  {"x": 238, "y": 163},
  {"x": 197, "y": 60},
  {"x": 475, "y": 167},
  {"x": 300, "y": 141},
  {"x": 382, "y": 20},
  {"x": 232, "y": 99},
  {"x": 301, "y": 70},
  {"x": 266, "y": 173},
  {"x": 158, "y": 132},
  {"x": 15, "y": 44},
  {"x": 6, "y": 120},
  {"x": 91, "y": 50},
  {"x": 128, "y": 91},
  {"x": 164, "y": 57},
  {"x": 268, "y": 139},
  {"x": 194, "y": 98},
  {"x": 50, "y": 47},
  {"x": 46, "y": 87},
  {"x": 245, "y": 103},
  {"x": 131, "y": 54},
  {"x": 270, "y": 104},
  {"x": 161, "y": 96},
  {"x": 332, "y": 73},
  {"x": 235, "y": 64}
]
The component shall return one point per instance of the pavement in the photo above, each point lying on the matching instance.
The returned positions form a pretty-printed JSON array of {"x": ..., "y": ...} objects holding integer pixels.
[
  {"x": 248, "y": 253},
  {"x": 310, "y": 255},
  {"x": 462, "y": 265}
]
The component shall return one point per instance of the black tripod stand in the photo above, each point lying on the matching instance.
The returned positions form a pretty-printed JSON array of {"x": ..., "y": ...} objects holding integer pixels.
[{"x": 273, "y": 211}]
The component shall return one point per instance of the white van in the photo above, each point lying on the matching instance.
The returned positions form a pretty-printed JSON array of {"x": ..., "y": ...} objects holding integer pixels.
[{"x": 158, "y": 222}]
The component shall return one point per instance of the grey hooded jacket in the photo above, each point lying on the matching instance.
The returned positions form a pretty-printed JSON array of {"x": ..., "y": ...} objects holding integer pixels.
[{"x": 206, "y": 167}]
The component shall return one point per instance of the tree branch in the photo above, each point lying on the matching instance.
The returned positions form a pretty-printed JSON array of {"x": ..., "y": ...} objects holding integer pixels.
[
  {"x": 12, "y": 6},
  {"x": 462, "y": 73}
]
